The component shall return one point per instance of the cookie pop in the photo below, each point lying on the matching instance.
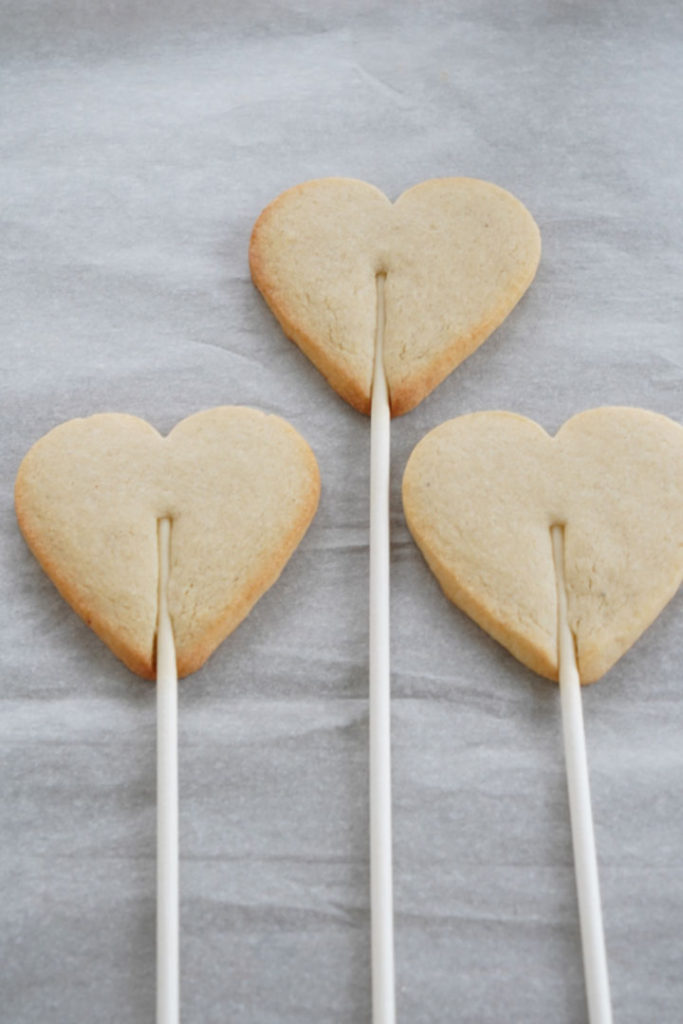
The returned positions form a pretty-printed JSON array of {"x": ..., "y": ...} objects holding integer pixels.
[
  {"x": 386, "y": 299},
  {"x": 565, "y": 550},
  {"x": 163, "y": 546}
]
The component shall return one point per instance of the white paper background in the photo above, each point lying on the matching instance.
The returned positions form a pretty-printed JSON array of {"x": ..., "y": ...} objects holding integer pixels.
[{"x": 139, "y": 143}]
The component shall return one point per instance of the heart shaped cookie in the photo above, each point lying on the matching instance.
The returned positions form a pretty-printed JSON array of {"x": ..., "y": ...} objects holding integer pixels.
[
  {"x": 239, "y": 487},
  {"x": 457, "y": 255},
  {"x": 482, "y": 492}
]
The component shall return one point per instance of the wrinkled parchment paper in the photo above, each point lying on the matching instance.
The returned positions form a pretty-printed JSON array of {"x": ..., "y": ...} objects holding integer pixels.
[{"x": 139, "y": 143}]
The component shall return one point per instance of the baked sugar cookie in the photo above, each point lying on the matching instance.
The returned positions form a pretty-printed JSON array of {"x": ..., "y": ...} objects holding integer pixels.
[
  {"x": 457, "y": 254},
  {"x": 482, "y": 492},
  {"x": 240, "y": 488}
]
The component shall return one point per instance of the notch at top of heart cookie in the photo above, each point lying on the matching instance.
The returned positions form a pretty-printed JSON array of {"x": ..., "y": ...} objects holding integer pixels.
[{"x": 457, "y": 253}]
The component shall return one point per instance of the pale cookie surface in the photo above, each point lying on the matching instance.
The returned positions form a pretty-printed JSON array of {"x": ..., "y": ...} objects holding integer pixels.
[
  {"x": 481, "y": 493},
  {"x": 240, "y": 488},
  {"x": 457, "y": 254}
]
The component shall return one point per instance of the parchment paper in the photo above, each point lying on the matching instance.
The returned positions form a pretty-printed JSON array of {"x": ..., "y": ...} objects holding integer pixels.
[{"x": 139, "y": 143}]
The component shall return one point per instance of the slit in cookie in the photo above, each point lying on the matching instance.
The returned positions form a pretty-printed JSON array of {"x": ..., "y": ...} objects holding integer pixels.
[
  {"x": 379, "y": 379},
  {"x": 163, "y": 623},
  {"x": 557, "y": 540}
]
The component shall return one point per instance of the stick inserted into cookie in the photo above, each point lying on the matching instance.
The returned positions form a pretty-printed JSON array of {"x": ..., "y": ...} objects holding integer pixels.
[
  {"x": 447, "y": 262},
  {"x": 583, "y": 834},
  {"x": 168, "y": 973},
  {"x": 381, "y": 870},
  {"x": 484, "y": 495},
  {"x": 204, "y": 521}
]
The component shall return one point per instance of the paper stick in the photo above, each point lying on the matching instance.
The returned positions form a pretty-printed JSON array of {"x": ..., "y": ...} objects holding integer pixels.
[
  {"x": 381, "y": 873},
  {"x": 168, "y": 986},
  {"x": 583, "y": 837}
]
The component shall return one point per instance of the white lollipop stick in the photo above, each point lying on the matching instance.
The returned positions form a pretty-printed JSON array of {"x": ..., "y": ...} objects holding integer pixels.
[
  {"x": 381, "y": 873},
  {"x": 168, "y": 985},
  {"x": 583, "y": 837}
]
